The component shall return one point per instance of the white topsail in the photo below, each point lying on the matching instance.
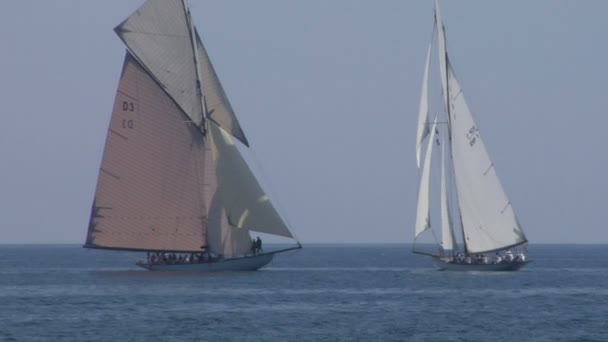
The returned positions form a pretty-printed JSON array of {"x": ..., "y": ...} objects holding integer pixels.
[
  {"x": 423, "y": 112},
  {"x": 487, "y": 215},
  {"x": 447, "y": 232},
  {"x": 441, "y": 51},
  {"x": 423, "y": 213},
  {"x": 158, "y": 34}
]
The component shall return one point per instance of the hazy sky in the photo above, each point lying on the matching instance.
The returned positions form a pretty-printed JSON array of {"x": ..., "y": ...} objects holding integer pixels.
[{"x": 327, "y": 93}]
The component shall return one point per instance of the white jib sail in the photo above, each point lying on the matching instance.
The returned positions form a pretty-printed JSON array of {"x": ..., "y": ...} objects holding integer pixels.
[
  {"x": 441, "y": 51},
  {"x": 247, "y": 205},
  {"x": 423, "y": 112},
  {"x": 487, "y": 215},
  {"x": 447, "y": 232},
  {"x": 423, "y": 213}
]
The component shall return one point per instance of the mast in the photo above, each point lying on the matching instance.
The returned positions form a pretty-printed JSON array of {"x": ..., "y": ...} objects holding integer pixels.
[
  {"x": 444, "y": 62},
  {"x": 447, "y": 230},
  {"x": 199, "y": 87}
]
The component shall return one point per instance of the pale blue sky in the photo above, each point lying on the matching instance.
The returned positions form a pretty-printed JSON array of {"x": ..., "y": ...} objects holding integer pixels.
[{"x": 327, "y": 92}]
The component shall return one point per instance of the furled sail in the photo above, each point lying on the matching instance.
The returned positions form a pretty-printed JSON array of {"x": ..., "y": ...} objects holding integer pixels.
[
  {"x": 247, "y": 206},
  {"x": 441, "y": 51},
  {"x": 149, "y": 191},
  {"x": 158, "y": 34},
  {"x": 218, "y": 106},
  {"x": 423, "y": 111},
  {"x": 423, "y": 213},
  {"x": 487, "y": 215},
  {"x": 447, "y": 231}
]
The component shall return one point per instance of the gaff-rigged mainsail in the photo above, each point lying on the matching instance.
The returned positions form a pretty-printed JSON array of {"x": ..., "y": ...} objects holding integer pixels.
[
  {"x": 149, "y": 191},
  {"x": 165, "y": 184}
]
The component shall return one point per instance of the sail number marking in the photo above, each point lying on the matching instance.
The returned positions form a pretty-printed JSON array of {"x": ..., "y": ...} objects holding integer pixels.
[
  {"x": 128, "y": 107},
  {"x": 473, "y": 135},
  {"x": 127, "y": 124}
]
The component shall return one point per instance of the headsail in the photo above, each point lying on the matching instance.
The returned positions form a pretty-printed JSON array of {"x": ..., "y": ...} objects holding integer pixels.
[
  {"x": 423, "y": 213},
  {"x": 158, "y": 34},
  {"x": 247, "y": 205},
  {"x": 149, "y": 192},
  {"x": 423, "y": 111},
  {"x": 218, "y": 108},
  {"x": 487, "y": 215},
  {"x": 447, "y": 231}
]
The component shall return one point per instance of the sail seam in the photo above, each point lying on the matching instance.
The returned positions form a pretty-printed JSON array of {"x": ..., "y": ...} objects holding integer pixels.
[
  {"x": 118, "y": 134},
  {"x": 488, "y": 169},
  {"x": 110, "y": 173}
]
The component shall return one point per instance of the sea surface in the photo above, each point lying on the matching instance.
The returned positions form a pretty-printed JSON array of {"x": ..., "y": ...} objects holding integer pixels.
[{"x": 321, "y": 293}]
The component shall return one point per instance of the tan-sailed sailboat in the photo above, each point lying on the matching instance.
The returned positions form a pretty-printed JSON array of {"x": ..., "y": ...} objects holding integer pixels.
[
  {"x": 172, "y": 181},
  {"x": 472, "y": 201}
]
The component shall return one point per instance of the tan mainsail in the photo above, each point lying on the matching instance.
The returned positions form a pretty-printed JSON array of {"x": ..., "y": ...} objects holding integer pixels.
[{"x": 150, "y": 188}]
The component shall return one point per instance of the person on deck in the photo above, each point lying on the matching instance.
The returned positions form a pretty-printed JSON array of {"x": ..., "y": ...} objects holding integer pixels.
[
  {"x": 497, "y": 258},
  {"x": 509, "y": 256},
  {"x": 521, "y": 257},
  {"x": 258, "y": 243}
]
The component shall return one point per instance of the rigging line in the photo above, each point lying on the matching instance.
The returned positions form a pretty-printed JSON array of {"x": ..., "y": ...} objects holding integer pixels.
[{"x": 155, "y": 34}]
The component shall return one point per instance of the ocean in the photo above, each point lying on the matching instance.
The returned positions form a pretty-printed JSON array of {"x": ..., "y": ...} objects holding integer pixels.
[{"x": 321, "y": 293}]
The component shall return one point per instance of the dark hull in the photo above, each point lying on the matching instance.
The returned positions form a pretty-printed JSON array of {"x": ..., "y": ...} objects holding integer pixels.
[
  {"x": 247, "y": 263},
  {"x": 501, "y": 267}
]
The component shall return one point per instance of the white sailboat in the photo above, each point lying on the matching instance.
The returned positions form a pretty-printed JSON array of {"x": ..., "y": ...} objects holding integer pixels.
[
  {"x": 172, "y": 181},
  {"x": 472, "y": 199}
]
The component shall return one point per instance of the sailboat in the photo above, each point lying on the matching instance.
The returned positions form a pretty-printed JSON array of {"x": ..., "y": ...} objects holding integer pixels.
[
  {"x": 173, "y": 182},
  {"x": 472, "y": 199}
]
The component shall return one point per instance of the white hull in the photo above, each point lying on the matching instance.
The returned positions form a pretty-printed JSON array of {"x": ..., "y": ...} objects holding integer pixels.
[
  {"x": 502, "y": 267},
  {"x": 247, "y": 263}
]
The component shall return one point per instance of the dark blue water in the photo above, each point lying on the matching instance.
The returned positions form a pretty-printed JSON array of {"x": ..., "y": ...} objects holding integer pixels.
[{"x": 322, "y": 293}]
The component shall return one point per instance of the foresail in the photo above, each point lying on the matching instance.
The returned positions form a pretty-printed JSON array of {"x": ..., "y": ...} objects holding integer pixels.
[
  {"x": 441, "y": 51},
  {"x": 149, "y": 191},
  {"x": 158, "y": 34},
  {"x": 246, "y": 204},
  {"x": 218, "y": 106},
  {"x": 447, "y": 231},
  {"x": 487, "y": 215},
  {"x": 222, "y": 237},
  {"x": 423, "y": 212},
  {"x": 423, "y": 111}
]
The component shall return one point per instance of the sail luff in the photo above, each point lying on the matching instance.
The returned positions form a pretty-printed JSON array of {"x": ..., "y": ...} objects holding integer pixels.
[
  {"x": 423, "y": 213},
  {"x": 447, "y": 230},
  {"x": 423, "y": 111}
]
